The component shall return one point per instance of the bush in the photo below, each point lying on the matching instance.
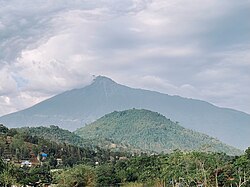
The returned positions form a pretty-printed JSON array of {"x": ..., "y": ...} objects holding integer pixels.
[{"x": 77, "y": 176}]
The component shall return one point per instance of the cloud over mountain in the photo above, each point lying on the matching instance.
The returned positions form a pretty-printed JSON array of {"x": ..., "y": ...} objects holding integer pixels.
[{"x": 192, "y": 48}]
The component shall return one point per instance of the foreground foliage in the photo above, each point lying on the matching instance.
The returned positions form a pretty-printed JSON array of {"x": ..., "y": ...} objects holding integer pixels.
[
  {"x": 80, "y": 175},
  {"x": 171, "y": 170},
  {"x": 93, "y": 166},
  {"x": 165, "y": 170}
]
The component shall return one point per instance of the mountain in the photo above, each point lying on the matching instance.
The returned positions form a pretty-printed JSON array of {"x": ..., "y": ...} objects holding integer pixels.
[
  {"x": 59, "y": 135},
  {"x": 150, "y": 131},
  {"x": 55, "y": 134},
  {"x": 72, "y": 109}
]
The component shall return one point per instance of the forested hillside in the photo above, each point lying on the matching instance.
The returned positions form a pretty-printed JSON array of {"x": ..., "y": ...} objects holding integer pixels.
[
  {"x": 27, "y": 159},
  {"x": 56, "y": 134},
  {"x": 17, "y": 145},
  {"x": 151, "y": 131}
]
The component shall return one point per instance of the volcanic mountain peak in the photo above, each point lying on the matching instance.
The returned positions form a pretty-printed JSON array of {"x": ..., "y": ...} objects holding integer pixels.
[
  {"x": 74, "y": 108},
  {"x": 102, "y": 80}
]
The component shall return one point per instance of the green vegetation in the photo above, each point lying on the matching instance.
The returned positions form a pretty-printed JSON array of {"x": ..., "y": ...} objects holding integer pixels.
[
  {"x": 165, "y": 170},
  {"x": 56, "y": 134},
  {"x": 151, "y": 131},
  {"x": 22, "y": 159},
  {"x": 80, "y": 175},
  {"x": 86, "y": 166}
]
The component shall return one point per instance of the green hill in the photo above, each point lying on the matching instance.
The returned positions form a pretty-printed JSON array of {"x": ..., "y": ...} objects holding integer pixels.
[
  {"x": 151, "y": 131},
  {"x": 18, "y": 144},
  {"x": 56, "y": 134},
  {"x": 59, "y": 135}
]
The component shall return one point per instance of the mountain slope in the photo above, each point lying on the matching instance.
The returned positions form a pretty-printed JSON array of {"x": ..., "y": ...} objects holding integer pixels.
[
  {"x": 58, "y": 135},
  {"x": 14, "y": 142},
  {"x": 55, "y": 134},
  {"x": 74, "y": 108},
  {"x": 150, "y": 131}
]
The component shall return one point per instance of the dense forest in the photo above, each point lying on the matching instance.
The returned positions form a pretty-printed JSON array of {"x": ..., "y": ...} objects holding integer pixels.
[
  {"x": 23, "y": 160},
  {"x": 59, "y": 135},
  {"x": 93, "y": 166},
  {"x": 151, "y": 131}
]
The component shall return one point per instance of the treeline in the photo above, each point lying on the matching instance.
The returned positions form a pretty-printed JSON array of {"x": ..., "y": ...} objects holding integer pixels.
[
  {"x": 177, "y": 169},
  {"x": 93, "y": 166},
  {"x": 58, "y": 135},
  {"x": 172, "y": 170},
  {"x": 18, "y": 145},
  {"x": 55, "y": 134}
]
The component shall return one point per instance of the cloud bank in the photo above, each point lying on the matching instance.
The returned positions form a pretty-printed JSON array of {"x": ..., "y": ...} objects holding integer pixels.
[{"x": 189, "y": 48}]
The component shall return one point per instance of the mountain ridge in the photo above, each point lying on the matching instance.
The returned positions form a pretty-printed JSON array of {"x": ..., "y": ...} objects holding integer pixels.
[{"x": 74, "y": 108}]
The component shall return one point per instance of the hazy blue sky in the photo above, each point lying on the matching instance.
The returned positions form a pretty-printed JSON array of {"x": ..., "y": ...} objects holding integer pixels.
[{"x": 193, "y": 48}]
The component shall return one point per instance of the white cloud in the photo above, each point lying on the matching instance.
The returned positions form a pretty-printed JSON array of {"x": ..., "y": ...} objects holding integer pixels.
[
  {"x": 191, "y": 48},
  {"x": 7, "y": 83}
]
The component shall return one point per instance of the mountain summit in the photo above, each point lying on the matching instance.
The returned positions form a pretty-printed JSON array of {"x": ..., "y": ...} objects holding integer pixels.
[
  {"x": 103, "y": 80},
  {"x": 72, "y": 109}
]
